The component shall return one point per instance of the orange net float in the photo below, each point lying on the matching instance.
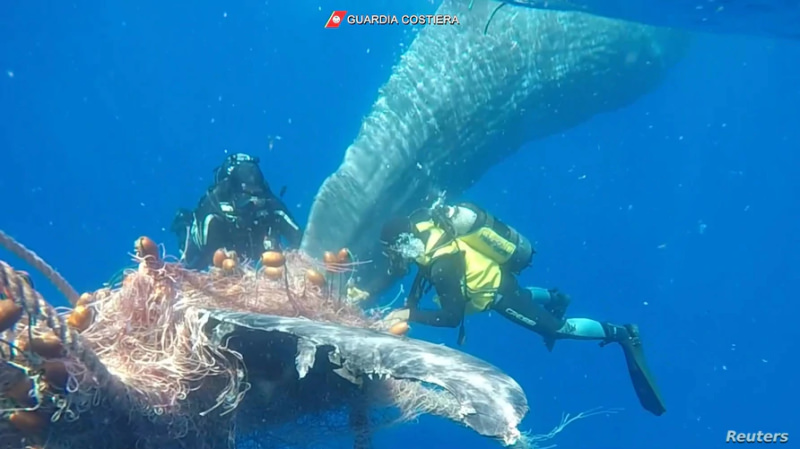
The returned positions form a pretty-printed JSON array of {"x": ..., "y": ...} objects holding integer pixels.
[
  {"x": 55, "y": 374},
  {"x": 400, "y": 328},
  {"x": 225, "y": 260},
  {"x": 340, "y": 261},
  {"x": 20, "y": 392},
  {"x": 10, "y": 313},
  {"x": 220, "y": 256},
  {"x": 315, "y": 278},
  {"x": 146, "y": 248},
  {"x": 229, "y": 265},
  {"x": 80, "y": 318},
  {"x": 329, "y": 258},
  {"x": 28, "y": 422},
  {"x": 273, "y": 273},
  {"x": 48, "y": 346},
  {"x": 273, "y": 259},
  {"x": 85, "y": 299}
]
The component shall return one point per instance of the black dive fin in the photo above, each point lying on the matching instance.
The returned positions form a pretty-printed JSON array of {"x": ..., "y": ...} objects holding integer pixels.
[
  {"x": 643, "y": 381},
  {"x": 282, "y": 192}
]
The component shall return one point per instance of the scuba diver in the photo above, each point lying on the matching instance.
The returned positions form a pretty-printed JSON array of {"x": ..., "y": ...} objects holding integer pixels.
[
  {"x": 472, "y": 259},
  {"x": 239, "y": 212}
]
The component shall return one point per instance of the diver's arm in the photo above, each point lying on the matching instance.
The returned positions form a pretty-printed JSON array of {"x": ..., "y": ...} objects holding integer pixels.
[
  {"x": 206, "y": 235},
  {"x": 287, "y": 227},
  {"x": 446, "y": 274},
  {"x": 193, "y": 256},
  {"x": 416, "y": 292},
  {"x": 291, "y": 231}
]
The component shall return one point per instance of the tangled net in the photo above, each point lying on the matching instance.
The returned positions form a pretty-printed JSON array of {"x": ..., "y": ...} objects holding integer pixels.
[
  {"x": 132, "y": 360},
  {"x": 141, "y": 365}
]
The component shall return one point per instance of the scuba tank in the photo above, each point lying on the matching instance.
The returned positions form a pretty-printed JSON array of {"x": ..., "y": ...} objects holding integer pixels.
[{"x": 486, "y": 234}]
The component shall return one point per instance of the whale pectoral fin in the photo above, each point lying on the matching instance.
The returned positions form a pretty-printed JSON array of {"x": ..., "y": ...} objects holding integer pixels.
[{"x": 352, "y": 361}]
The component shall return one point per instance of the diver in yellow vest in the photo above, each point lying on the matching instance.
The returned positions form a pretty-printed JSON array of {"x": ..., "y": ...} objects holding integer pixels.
[{"x": 471, "y": 259}]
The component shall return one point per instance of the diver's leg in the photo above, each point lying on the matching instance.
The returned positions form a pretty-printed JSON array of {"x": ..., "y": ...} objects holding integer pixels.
[
  {"x": 524, "y": 307},
  {"x": 551, "y": 299},
  {"x": 520, "y": 307}
]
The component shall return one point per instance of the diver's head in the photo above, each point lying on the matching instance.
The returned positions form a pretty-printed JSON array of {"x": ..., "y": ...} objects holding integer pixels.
[
  {"x": 242, "y": 173},
  {"x": 247, "y": 178},
  {"x": 242, "y": 180},
  {"x": 400, "y": 244}
]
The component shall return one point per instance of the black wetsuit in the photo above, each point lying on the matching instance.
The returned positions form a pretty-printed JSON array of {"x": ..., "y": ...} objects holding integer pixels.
[
  {"x": 446, "y": 275},
  {"x": 539, "y": 310},
  {"x": 219, "y": 222}
]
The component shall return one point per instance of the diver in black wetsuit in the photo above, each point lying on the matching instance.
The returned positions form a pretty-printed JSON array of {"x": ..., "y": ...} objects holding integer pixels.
[
  {"x": 239, "y": 212},
  {"x": 470, "y": 258}
]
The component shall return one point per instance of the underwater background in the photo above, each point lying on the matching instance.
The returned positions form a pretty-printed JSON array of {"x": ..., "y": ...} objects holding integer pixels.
[{"x": 678, "y": 213}]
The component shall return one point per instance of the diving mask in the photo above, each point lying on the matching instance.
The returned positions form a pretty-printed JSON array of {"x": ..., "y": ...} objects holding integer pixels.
[
  {"x": 405, "y": 249},
  {"x": 249, "y": 202}
]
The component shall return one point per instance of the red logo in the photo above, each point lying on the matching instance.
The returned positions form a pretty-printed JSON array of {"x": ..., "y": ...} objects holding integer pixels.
[{"x": 336, "y": 19}]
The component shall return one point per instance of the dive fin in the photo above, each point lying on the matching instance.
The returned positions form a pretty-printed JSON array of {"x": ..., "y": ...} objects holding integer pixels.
[
  {"x": 282, "y": 192},
  {"x": 643, "y": 381}
]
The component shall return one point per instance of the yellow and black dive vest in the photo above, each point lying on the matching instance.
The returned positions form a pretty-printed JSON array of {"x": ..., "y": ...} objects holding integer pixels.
[
  {"x": 490, "y": 247},
  {"x": 483, "y": 275}
]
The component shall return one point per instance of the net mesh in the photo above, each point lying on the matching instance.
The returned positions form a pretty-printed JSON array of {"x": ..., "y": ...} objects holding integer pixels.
[{"x": 130, "y": 366}]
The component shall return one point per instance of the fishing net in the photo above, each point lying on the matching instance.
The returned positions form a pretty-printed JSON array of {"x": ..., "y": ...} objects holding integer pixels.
[{"x": 244, "y": 355}]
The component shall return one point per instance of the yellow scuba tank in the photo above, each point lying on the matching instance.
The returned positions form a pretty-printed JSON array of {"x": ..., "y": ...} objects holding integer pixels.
[{"x": 487, "y": 235}]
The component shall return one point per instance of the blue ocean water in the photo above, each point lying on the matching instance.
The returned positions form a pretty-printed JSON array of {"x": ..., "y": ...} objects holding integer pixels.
[{"x": 678, "y": 213}]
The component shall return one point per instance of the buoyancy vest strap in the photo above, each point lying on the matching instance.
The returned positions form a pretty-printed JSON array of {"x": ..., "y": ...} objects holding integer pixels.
[
  {"x": 418, "y": 286},
  {"x": 418, "y": 289}
]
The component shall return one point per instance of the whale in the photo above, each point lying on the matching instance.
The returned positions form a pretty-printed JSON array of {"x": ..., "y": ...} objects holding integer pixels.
[
  {"x": 464, "y": 97},
  {"x": 759, "y": 18}
]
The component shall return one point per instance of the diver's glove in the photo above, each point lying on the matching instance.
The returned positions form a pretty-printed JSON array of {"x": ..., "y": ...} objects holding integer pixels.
[
  {"x": 559, "y": 302},
  {"x": 396, "y": 316},
  {"x": 356, "y": 295}
]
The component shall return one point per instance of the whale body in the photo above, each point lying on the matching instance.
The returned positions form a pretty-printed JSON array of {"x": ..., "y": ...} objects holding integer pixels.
[
  {"x": 763, "y": 18},
  {"x": 460, "y": 100}
]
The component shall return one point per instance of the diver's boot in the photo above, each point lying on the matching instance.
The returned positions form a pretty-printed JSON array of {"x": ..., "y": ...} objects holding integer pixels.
[{"x": 643, "y": 381}]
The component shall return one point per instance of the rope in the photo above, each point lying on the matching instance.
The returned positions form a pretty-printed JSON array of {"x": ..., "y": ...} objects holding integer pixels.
[{"x": 35, "y": 261}]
